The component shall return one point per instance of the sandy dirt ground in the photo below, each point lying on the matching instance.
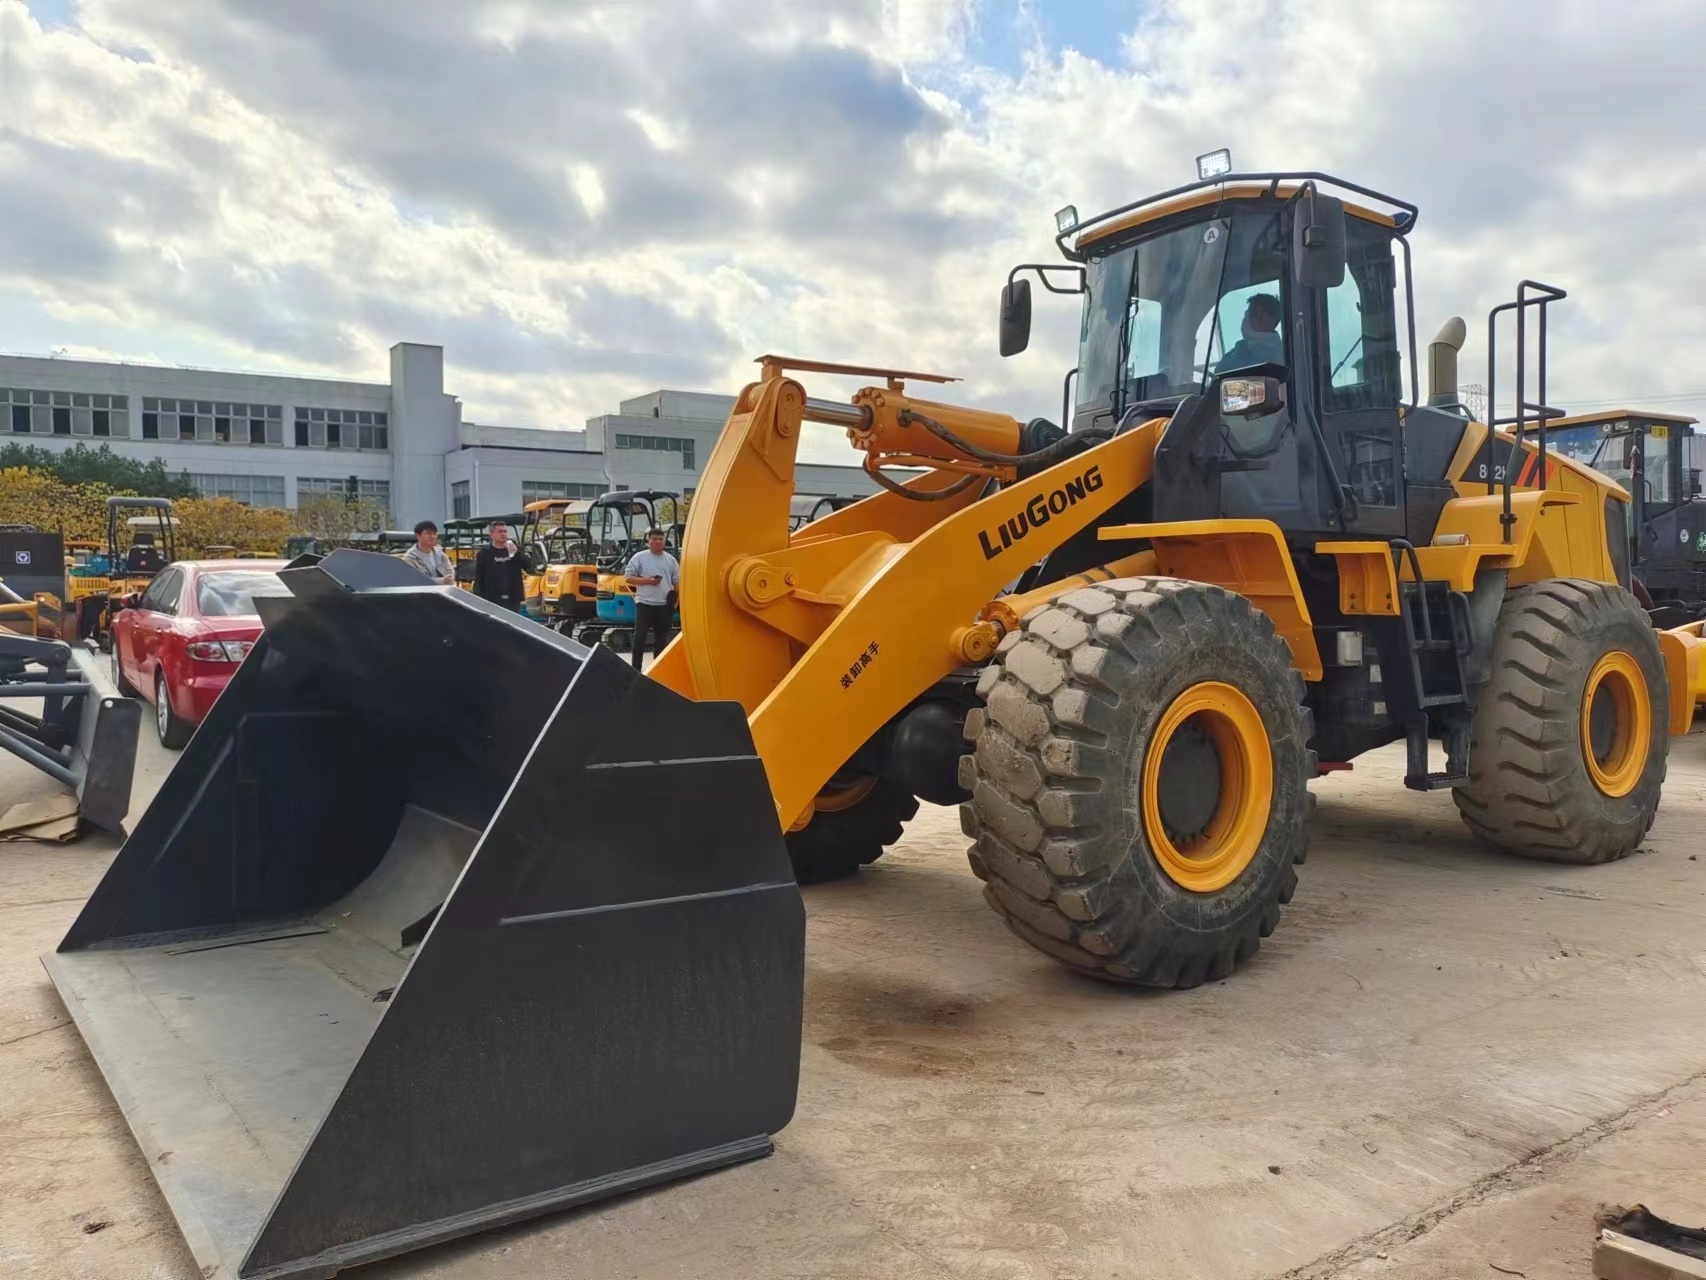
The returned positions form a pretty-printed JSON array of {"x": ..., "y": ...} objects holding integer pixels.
[{"x": 1439, "y": 1067}]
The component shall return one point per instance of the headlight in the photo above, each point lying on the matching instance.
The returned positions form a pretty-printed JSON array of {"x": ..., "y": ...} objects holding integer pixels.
[{"x": 1240, "y": 395}]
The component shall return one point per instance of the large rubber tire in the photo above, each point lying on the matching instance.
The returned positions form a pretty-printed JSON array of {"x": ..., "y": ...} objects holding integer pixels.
[
  {"x": 1531, "y": 790},
  {"x": 834, "y": 845},
  {"x": 1074, "y": 700}
]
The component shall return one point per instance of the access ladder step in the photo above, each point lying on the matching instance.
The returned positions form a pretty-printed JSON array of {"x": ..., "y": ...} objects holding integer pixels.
[
  {"x": 1435, "y": 781},
  {"x": 1442, "y": 700}
]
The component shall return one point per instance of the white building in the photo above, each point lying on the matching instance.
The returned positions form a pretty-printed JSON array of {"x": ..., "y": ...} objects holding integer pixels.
[{"x": 272, "y": 441}]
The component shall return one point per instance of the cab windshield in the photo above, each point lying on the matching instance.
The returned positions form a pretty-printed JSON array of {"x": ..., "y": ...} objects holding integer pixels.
[
  {"x": 1164, "y": 315},
  {"x": 1609, "y": 448},
  {"x": 611, "y": 528},
  {"x": 1585, "y": 444}
]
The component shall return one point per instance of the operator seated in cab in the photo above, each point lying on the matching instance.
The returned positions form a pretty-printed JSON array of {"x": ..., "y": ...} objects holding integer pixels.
[{"x": 1260, "y": 342}]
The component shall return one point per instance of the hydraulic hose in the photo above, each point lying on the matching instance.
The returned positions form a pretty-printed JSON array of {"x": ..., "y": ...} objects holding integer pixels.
[
  {"x": 1065, "y": 447},
  {"x": 923, "y": 495}
]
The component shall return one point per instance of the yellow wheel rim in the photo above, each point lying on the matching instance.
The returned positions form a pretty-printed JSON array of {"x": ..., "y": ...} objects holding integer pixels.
[
  {"x": 1617, "y": 723},
  {"x": 1214, "y": 722},
  {"x": 834, "y": 800}
]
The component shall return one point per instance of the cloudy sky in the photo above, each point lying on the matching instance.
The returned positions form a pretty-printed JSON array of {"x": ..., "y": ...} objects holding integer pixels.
[{"x": 584, "y": 201}]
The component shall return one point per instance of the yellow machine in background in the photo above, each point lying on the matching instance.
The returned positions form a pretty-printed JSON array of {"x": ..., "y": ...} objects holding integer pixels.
[
  {"x": 618, "y": 523},
  {"x": 138, "y": 547},
  {"x": 560, "y": 579},
  {"x": 87, "y": 574}
]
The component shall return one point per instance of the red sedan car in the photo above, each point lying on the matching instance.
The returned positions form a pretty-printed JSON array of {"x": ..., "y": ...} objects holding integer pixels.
[{"x": 179, "y": 644}]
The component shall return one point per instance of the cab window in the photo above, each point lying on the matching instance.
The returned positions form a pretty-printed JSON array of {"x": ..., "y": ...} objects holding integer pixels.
[
  {"x": 1363, "y": 365},
  {"x": 1655, "y": 464},
  {"x": 1225, "y": 342}
]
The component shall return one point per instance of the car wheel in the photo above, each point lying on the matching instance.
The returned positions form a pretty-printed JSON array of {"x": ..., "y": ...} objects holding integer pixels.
[
  {"x": 173, "y": 730},
  {"x": 125, "y": 688}
]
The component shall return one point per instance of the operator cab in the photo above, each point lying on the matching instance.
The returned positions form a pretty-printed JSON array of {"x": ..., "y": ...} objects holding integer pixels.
[
  {"x": 1648, "y": 454},
  {"x": 1273, "y": 306}
]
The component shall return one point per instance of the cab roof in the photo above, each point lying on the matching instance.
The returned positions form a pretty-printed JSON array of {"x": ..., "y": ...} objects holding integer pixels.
[
  {"x": 1235, "y": 186},
  {"x": 1611, "y": 415}
]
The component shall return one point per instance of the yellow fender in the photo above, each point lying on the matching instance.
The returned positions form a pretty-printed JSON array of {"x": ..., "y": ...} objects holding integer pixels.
[{"x": 1684, "y": 652}]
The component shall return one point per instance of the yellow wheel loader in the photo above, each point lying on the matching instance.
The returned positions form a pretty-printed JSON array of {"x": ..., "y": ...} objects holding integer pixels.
[{"x": 355, "y": 975}]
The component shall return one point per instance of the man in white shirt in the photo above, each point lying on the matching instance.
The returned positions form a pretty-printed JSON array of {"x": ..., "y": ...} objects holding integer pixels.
[
  {"x": 655, "y": 577},
  {"x": 426, "y": 556}
]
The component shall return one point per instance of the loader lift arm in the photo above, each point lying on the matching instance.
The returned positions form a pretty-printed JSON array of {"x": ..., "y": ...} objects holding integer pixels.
[{"x": 825, "y": 639}]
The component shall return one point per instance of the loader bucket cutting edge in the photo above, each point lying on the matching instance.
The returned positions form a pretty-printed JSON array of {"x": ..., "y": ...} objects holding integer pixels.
[{"x": 441, "y": 921}]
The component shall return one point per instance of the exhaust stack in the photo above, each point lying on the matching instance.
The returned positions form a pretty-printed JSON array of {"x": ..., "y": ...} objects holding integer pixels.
[{"x": 1442, "y": 362}]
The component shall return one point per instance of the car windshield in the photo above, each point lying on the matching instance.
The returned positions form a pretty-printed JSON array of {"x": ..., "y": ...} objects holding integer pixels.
[
  {"x": 1163, "y": 315},
  {"x": 231, "y": 593}
]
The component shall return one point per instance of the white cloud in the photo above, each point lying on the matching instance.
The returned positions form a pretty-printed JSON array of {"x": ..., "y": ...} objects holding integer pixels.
[{"x": 585, "y": 202}]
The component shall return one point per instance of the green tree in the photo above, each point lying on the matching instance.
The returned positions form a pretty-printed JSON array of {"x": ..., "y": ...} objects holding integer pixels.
[{"x": 101, "y": 467}]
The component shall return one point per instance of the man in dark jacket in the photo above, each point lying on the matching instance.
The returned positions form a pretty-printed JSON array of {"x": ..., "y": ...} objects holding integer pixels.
[{"x": 497, "y": 570}]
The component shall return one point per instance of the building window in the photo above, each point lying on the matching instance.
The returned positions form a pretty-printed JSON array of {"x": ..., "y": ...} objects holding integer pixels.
[
  {"x": 342, "y": 429},
  {"x": 253, "y": 491},
  {"x": 539, "y": 490},
  {"x": 64, "y": 413},
  {"x": 209, "y": 421},
  {"x": 660, "y": 444},
  {"x": 461, "y": 504}
]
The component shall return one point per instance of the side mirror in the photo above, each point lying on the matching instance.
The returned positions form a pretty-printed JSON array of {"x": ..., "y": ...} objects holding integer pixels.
[
  {"x": 1015, "y": 316},
  {"x": 1251, "y": 397},
  {"x": 1693, "y": 483},
  {"x": 1318, "y": 241}
]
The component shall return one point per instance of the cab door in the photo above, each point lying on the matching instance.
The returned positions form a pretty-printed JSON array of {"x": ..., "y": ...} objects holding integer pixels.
[{"x": 1359, "y": 380}]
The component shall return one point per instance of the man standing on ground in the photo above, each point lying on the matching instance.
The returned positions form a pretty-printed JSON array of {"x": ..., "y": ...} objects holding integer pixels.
[
  {"x": 497, "y": 570},
  {"x": 426, "y": 556},
  {"x": 655, "y": 577}
]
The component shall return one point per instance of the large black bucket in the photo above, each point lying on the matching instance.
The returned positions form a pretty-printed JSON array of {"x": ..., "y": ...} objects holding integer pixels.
[{"x": 441, "y": 921}]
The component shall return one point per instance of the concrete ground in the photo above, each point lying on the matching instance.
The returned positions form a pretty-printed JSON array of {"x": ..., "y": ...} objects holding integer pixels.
[{"x": 1439, "y": 1067}]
